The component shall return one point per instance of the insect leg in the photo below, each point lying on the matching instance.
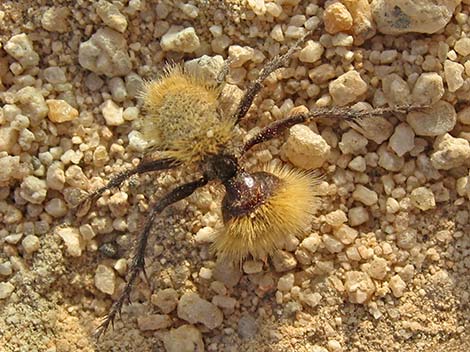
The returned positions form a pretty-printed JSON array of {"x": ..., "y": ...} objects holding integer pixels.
[
  {"x": 144, "y": 166},
  {"x": 254, "y": 88},
  {"x": 138, "y": 263},
  {"x": 276, "y": 128}
]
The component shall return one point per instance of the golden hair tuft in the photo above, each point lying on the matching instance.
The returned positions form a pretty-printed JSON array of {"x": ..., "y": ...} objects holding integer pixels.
[
  {"x": 289, "y": 210},
  {"x": 182, "y": 118}
]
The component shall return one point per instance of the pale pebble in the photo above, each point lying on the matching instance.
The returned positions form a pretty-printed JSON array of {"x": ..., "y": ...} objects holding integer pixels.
[
  {"x": 105, "y": 279},
  {"x": 377, "y": 128},
  {"x": 378, "y": 268},
  {"x": 274, "y": 9},
  {"x": 30, "y": 244},
  {"x": 397, "y": 285},
  {"x": 283, "y": 261},
  {"x": 342, "y": 40},
  {"x": 194, "y": 309},
  {"x": 346, "y": 234},
  {"x": 153, "y": 322},
  {"x": 180, "y": 39},
  {"x": 56, "y": 207},
  {"x": 239, "y": 55},
  {"x": 389, "y": 160},
  {"x": 404, "y": 16},
  {"x": 111, "y": 16},
  {"x": 55, "y": 19},
  {"x": 358, "y": 216},
  {"x": 423, "y": 198},
  {"x": 32, "y": 104},
  {"x": 6, "y": 289},
  {"x": 9, "y": 166},
  {"x": 137, "y": 141},
  {"x": 334, "y": 346},
  {"x": 21, "y": 48},
  {"x": 118, "y": 89},
  {"x": 462, "y": 46},
  {"x": 277, "y": 34},
  {"x": 9, "y": 137},
  {"x": 305, "y": 149},
  {"x": 186, "y": 338},
  {"x": 428, "y": 89},
  {"x": 55, "y": 177},
  {"x": 72, "y": 239},
  {"x": 433, "y": 121},
  {"x": 205, "y": 235},
  {"x": 206, "y": 67},
  {"x": 311, "y": 299},
  {"x": 55, "y": 75},
  {"x": 359, "y": 286},
  {"x": 406, "y": 239},
  {"x": 166, "y": 300},
  {"x": 312, "y": 52},
  {"x": 396, "y": 90},
  {"x": 352, "y": 142},
  {"x": 347, "y": 88},
  {"x": 365, "y": 195},
  {"x": 6, "y": 268},
  {"x": 332, "y": 245},
  {"x": 205, "y": 273},
  {"x": 286, "y": 282},
  {"x": 449, "y": 152},
  {"x": 358, "y": 164},
  {"x": 112, "y": 113},
  {"x": 257, "y": 6},
  {"x": 189, "y": 10},
  {"x": 224, "y": 302},
  {"x": 252, "y": 266},
  {"x": 121, "y": 264},
  {"x": 336, "y": 218},
  {"x": 75, "y": 177},
  {"x": 33, "y": 190},
  {"x": 392, "y": 206},
  {"x": 105, "y": 53},
  {"x": 311, "y": 243},
  {"x": 402, "y": 140},
  {"x": 130, "y": 113}
]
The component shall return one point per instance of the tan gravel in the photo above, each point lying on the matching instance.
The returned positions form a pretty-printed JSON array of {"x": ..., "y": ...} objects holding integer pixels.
[{"x": 386, "y": 263}]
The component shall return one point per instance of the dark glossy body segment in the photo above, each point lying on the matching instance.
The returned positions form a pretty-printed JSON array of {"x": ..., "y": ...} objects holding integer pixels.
[{"x": 245, "y": 192}]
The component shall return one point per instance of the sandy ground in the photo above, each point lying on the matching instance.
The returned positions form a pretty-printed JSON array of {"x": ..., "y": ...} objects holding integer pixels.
[{"x": 55, "y": 304}]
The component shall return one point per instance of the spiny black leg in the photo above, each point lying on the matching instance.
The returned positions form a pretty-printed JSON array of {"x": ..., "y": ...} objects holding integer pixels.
[
  {"x": 255, "y": 87},
  {"x": 138, "y": 263},
  {"x": 344, "y": 113},
  {"x": 144, "y": 166}
]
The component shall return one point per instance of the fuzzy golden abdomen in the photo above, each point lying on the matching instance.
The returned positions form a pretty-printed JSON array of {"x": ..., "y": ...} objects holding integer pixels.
[{"x": 260, "y": 209}]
